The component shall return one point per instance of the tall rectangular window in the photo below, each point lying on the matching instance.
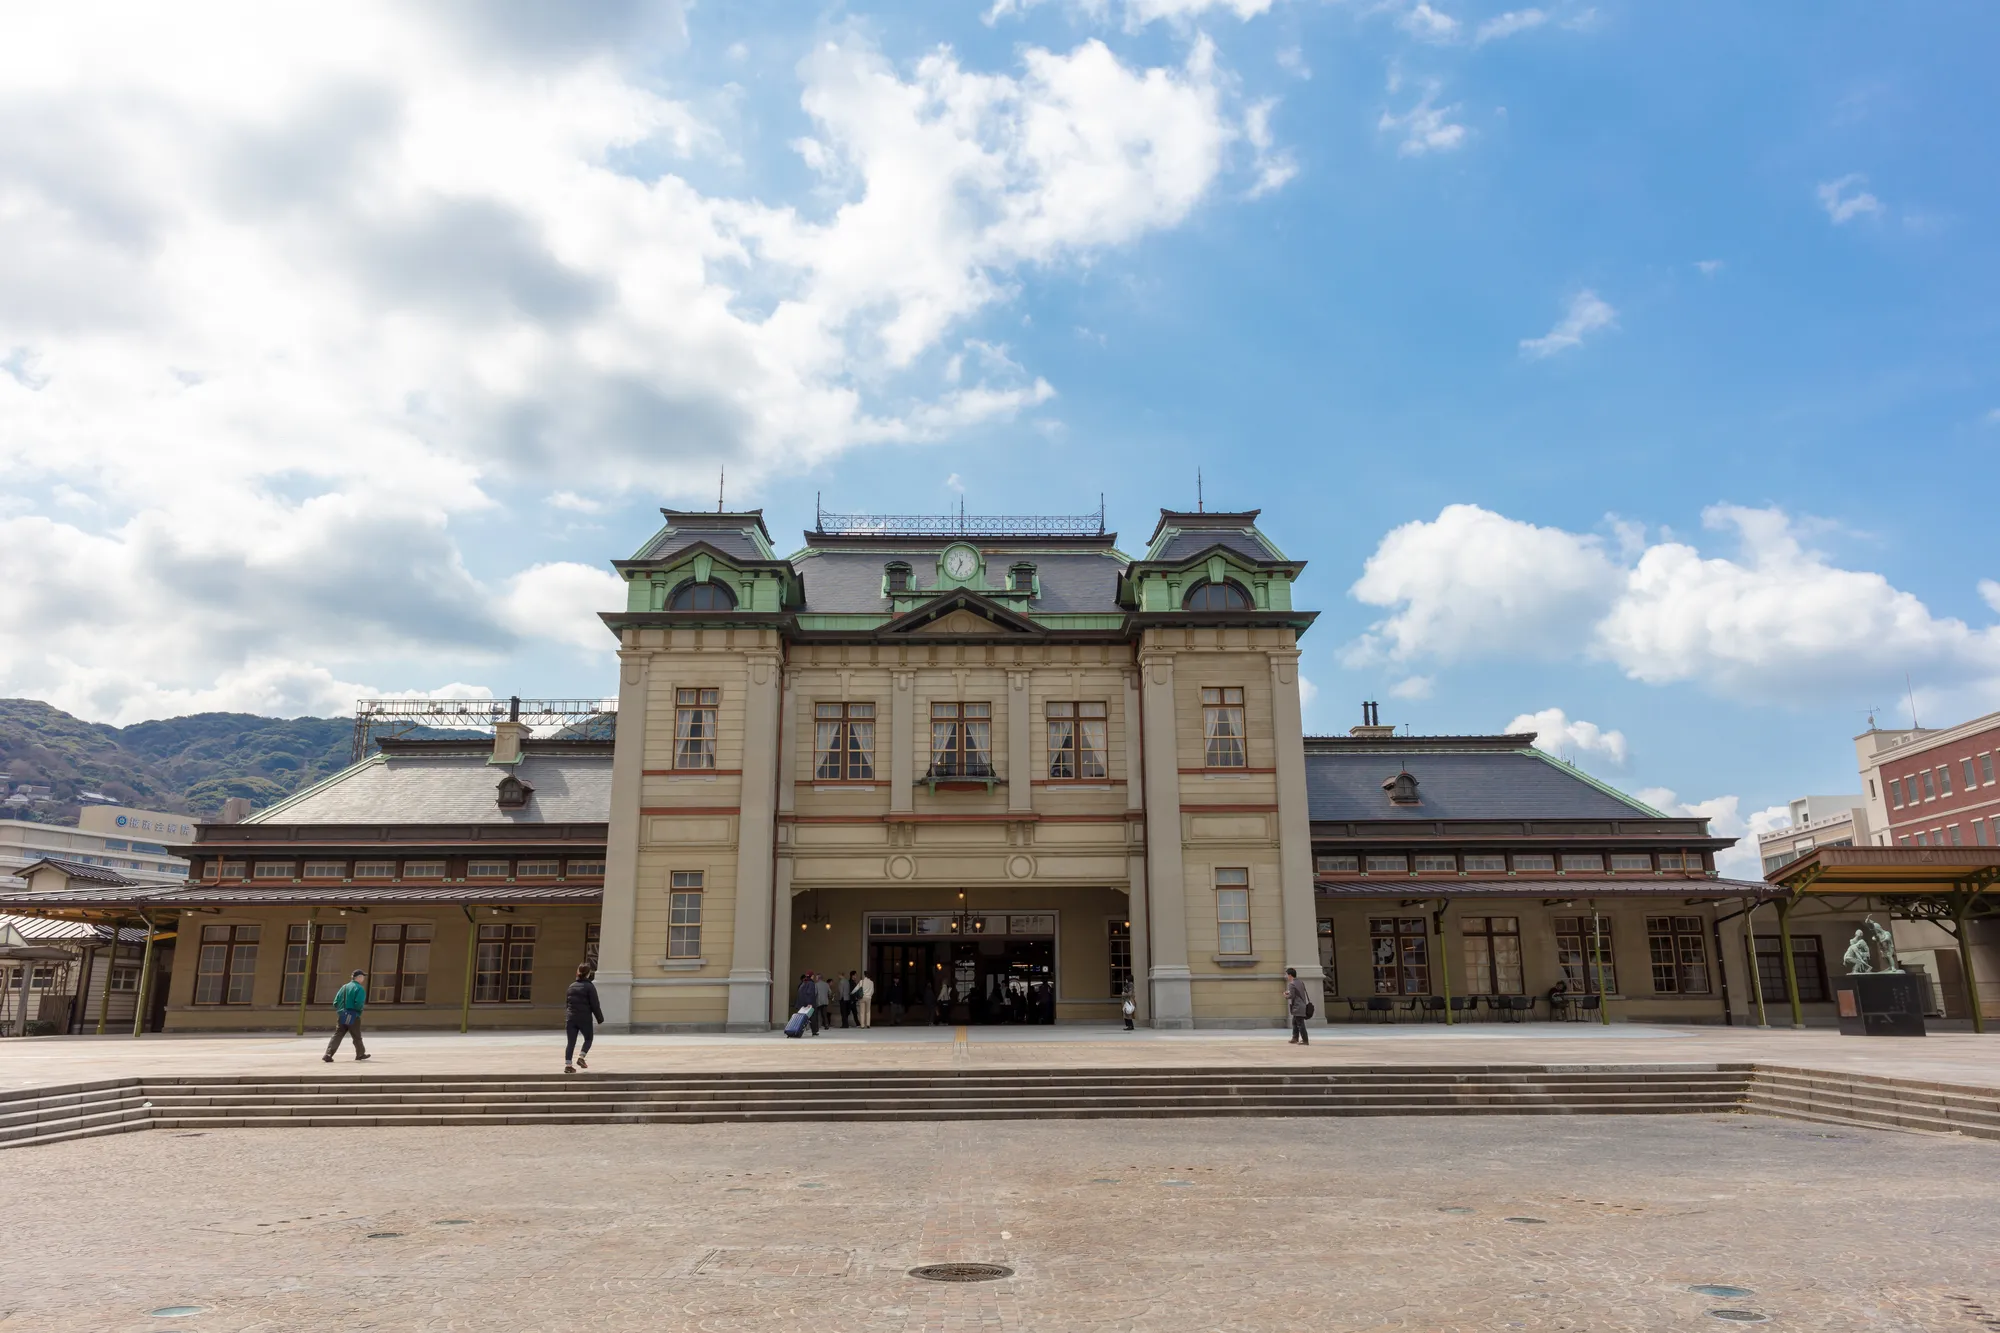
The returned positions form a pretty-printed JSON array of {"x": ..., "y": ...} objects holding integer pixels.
[
  {"x": 1679, "y": 952},
  {"x": 1079, "y": 740},
  {"x": 1232, "y": 911},
  {"x": 1979, "y": 832},
  {"x": 591, "y": 935},
  {"x": 1492, "y": 955},
  {"x": 961, "y": 740},
  {"x": 844, "y": 742},
  {"x": 1808, "y": 965},
  {"x": 1583, "y": 951},
  {"x": 1400, "y": 949},
  {"x": 1222, "y": 728},
  {"x": 504, "y": 972},
  {"x": 1971, "y": 781},
  {"x": 227, "y": 968},
  {"x": 684, "y": 915},
  {"x": 1951, "y": 833},
  {"x": 694, "y": 727},
  {"x": 399, "y": 964},
  {"x": 1121, "y": 957},
  {"x": 1985, "y": 768},
  {"x": 327, "y": 976},
  {"x": 1896, "y": 792},
  {"x": 1944, "y": 779},
  {"x": 1929, "y": 793}
]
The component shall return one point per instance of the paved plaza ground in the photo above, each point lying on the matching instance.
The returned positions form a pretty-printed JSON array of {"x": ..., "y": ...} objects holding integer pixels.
[
  {"x": 1959, "y": 1057},
  {"x": 1479, "y": 1223}
]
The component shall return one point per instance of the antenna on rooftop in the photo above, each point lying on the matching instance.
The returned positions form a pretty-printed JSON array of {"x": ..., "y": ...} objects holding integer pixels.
[
  {"x": 1197, "y": 491},
  {"x": 1873, "y": 709},
  {"x": 1911, "y": 691},
  {"x": 721, "y": 475}
]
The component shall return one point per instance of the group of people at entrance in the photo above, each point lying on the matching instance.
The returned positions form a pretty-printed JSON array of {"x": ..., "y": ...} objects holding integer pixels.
[{"x": 853, "y": 993}]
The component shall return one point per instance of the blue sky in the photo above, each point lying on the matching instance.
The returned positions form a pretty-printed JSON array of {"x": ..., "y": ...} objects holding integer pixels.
[{"x": 1632, "y": 361}]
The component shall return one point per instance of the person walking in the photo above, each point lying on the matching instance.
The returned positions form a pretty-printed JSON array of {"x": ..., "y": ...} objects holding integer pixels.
[
  {"x": 580, "y": 1007},
  {"x": 823, "y": 1001},
  {"x": 808, "y": 1000},
  {"x": 864, "y": 1003},
  {"x": 850, "y": 999},
  {"x": 1299, "y": 1005},
  {"x": 348, "y": 1002}
]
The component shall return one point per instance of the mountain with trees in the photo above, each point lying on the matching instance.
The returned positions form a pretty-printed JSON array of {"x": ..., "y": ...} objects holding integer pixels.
[{"x": 183, "y": 764}]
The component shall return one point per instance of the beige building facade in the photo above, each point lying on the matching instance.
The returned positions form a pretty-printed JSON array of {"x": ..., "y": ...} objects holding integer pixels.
[{"x": 1007, "y": 771}]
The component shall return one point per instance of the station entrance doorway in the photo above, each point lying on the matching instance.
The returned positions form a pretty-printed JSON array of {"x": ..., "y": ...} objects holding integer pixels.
[{"x": 973, "y": 968}]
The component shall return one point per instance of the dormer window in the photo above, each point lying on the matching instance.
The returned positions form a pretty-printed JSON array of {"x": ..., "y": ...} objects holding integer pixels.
[
  {"x": 512, "y": 793},
  {"x": 1224, "y": 596},
  {"x": 1402, "y": 789},
  {"x": 1021, "y": 578},
  {"x": 899, "y": 577},
  {"x": 702, "y": 597}
]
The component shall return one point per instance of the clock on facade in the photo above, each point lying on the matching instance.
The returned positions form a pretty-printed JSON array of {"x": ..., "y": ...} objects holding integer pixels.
[{"x": 961, "y": 562}]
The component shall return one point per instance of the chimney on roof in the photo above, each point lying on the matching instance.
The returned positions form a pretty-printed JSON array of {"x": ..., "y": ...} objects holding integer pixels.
[
  {"x": 1371, "y": 722},
  {"x": 508, "y": 735}
]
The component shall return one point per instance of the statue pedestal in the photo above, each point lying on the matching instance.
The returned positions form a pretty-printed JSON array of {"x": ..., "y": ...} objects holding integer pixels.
[{"x": 1881, "y": 1004}]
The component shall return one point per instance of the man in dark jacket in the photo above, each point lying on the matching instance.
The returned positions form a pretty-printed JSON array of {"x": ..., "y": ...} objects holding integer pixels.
[
  {"x": 580, "y": 1007},
  {"x": 1299, "y": 1005},
  {"x": 809, "y": 999}
]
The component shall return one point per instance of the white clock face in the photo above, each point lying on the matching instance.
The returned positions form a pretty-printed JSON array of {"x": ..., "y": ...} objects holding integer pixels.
[{"x": 960, "y": 562}]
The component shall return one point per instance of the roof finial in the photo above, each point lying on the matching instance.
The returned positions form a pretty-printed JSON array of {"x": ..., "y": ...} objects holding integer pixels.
[
  {"x": 721, "y": 475},
  {"x": 1197, "y": 491}
]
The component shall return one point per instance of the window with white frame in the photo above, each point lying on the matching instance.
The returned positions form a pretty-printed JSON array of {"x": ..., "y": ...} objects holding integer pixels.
[
  {"x": 1631, "y": 861},
  {"x": 1079, "y": 740},
  {"x": 538, "y": 868},
  {"x": 374, "y": 870},
  {"x": 1534, "y": 861},
  {"x": 1485, "y": 863},
  {"x": 326, "y": 869},
  {"x": 1232, "y": 910},
  {"x": 1222, "y": 727},
  {"x": 844, "y": 742},
  {"x": 1388, "y": 865},
  {"x": 1434, "y": 863},
  {"x": 684, "y": 915},
  {"x": 273, "y": 870},
  {"x": 1582, "y": 861},
  {"x": 487, "y": 869},
  {"x": 593, "y": 866},
  {"x": 1336, "y": 865}
]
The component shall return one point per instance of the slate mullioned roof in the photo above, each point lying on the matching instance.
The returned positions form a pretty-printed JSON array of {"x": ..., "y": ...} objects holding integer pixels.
[
  {"x": 1484, "y": 783},
  {"x": 848, "y": 580},
  {"x": 1193, "y": 542},
  {"x": 443, "y": 785}
]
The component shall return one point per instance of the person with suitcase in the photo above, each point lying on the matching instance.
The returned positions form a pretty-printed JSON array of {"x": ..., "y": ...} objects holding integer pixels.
[{"x": 809, "y": 1001}]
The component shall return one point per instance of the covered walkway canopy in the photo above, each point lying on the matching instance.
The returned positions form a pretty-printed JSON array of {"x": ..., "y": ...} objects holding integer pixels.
[{"x": 1948, "y": 887}]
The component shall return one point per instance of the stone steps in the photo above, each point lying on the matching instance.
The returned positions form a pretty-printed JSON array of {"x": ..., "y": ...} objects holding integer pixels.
[{"x": 112, "y": 1106}]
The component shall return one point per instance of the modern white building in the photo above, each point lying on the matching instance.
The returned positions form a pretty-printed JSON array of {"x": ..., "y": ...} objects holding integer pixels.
[
  {"x": 1817, "y": 821},
  {"x": 132, "y": 842}
]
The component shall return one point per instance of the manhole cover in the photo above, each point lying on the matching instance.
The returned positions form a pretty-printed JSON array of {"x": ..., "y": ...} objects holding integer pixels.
[
  {"x": 175, "y": 1311},
  {"x": 1534, "y": 1221},
  {"x": 961, "y": 1272},
  {"x": 1740, "y": 1316},
  {"x": 1726, "y": 1293}
]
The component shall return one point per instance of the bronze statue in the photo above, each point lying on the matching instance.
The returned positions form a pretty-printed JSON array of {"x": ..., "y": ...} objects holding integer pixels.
[{"x": 1873, "y": 949}]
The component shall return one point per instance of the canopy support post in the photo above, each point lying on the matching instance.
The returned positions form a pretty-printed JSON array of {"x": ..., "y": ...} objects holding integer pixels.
[
  {"x": 145, "y": 978},
  {"x": 1785, "y": 953}
]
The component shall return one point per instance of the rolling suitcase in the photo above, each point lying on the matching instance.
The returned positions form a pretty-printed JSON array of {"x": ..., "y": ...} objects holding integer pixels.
[{"x": 797, "y": 1027}]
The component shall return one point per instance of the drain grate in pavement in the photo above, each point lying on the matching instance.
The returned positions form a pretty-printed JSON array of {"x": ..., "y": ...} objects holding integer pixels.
[
  {"x": 962, "y": 1272},
  {"x": 1726, "y": 1293}
]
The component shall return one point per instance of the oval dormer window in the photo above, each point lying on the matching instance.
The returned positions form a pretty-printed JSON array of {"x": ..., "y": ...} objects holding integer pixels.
[
  {"x": 1224, "y": 596},
  {"x": 702, "y": 597}
]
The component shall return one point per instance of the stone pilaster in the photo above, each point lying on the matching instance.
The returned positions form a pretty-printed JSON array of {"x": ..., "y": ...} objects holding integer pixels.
[
  {"x": 1166, "y": 883},
  {"x": 1020, "y": 743},
  {"x": 1137, "y": 902},
  {"x": 903, "y": 743},
  {"x": 750, "y": 963},
  {"x": 621, "y": 851},
  {"x": 781, "y": 941},
  {"x": 1295, "y": 860}
]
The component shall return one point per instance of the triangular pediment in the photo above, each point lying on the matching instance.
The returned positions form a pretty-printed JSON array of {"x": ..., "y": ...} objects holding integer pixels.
[{"x": 961, "y": 613}]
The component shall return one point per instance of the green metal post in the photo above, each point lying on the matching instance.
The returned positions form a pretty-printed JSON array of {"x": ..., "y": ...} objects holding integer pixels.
[
  {"x": 104, "y": 1004},
  {"x": 145, "y": 979},
  {"x": 1960, "y": 907},
  {"x": 312, "y": 960},
  {"x": 471, "y": 957},
  {"x": 1756, "y": 972},
  {"x": 1785, "y": 955},
  {"x": 1444, "y": 958}
]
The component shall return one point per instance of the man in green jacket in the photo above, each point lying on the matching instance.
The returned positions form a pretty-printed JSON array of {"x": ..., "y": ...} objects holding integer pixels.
[{"x": 347, "y": 1005}]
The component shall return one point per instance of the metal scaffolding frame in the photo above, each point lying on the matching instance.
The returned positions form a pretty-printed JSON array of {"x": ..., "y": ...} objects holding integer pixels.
[{"x": 574, "y": 719}]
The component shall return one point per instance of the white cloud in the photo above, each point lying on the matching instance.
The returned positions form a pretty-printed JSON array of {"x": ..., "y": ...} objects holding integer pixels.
[
  {"x": 1274, "y": 166},
  {"x": 1587, "y": 314},
  {"x": 573, "y": 502},
  {"x": 1777, "y": 622},
  {"x": 1992, "y": 417},
  {"x": 1425, "y": 127},
  {"x": 1412, "y": 687},
  {"x": 1428, "y": 24},
  {"x": 1845, "y": 199},
  {"x": 1725, "y": 820},
  {"x": 1137, "y": 13},
  {"x": 1561, "y": 735},
  {"x": 955, "y": 483},
  {"x": 1989, "y": 592},
  {"x": 1509, "y": 23},
  {"x": 1474, "y": 583},
  {"x": 1709, "y": 267},
  {"x": 1307, "y": 692},
  {"x": 560, "y": 601},
  {"x": 285, "y": 294}
]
